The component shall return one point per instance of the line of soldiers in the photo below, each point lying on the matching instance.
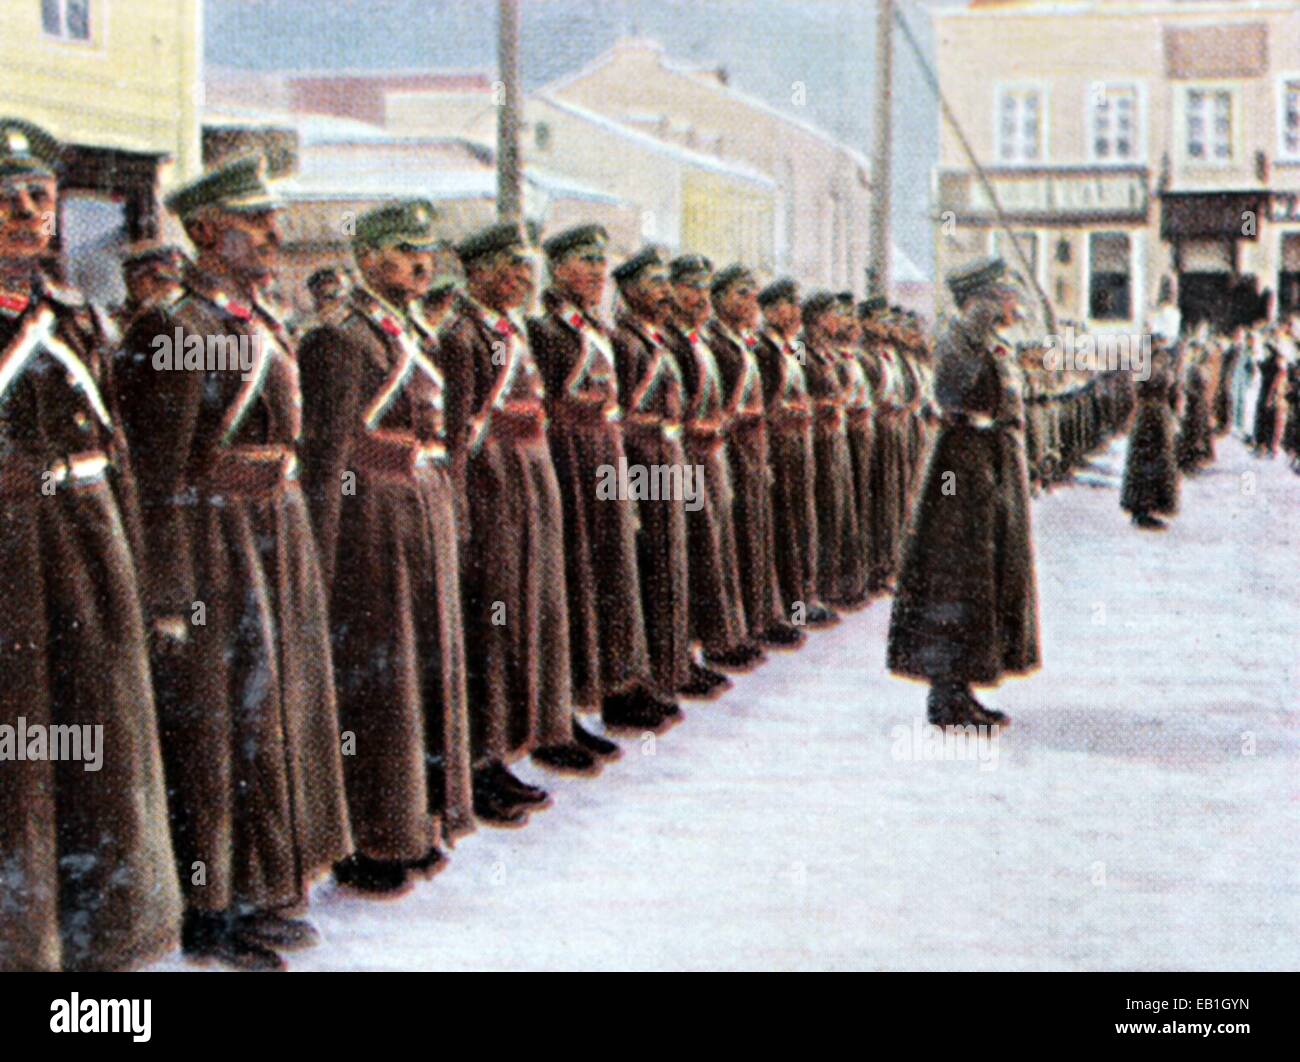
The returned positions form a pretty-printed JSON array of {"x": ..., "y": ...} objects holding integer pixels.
[
  {"x": 1068, "y": 416},
  {"x": 324, "y": 597}
]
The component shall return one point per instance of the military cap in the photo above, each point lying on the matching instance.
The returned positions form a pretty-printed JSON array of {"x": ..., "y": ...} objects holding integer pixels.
[
  {"x": 978, "y": 276},
  {"x": 844, "y": 298},
  {"x": 27, "y": 149},
  {"x": 236, "y": 186},
  {"x": 494, "y": 238},
  {"x": 781, "y": 290},
  {"x": 731, "y": 275},
  {"x": 817, "y": 304},
  {"x": 150, "y": 252},
  {"x": 872, "y": 307},
  {"x": 579, "y": 238},
  {"x": 649, "y": 256},
  {"x": 409, "y": 222},
  {"x": 689, "y": 267}
]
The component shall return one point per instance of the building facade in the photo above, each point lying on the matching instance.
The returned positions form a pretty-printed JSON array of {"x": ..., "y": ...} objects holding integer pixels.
[
  {"x": 823, "y": 194},
  {"x": 119, "y": 83},
  {"x": 1131, "y": 144}
]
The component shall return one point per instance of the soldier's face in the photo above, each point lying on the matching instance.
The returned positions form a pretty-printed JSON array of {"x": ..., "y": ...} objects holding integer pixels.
[
  {"x": 738, "y": 304},
  {"x": 403, "y": 272},
  {"x": 692, "y": 300},
  {"x": 247, "y": 244},
  {"x": 507, "y": 281},
  {"x": 784, "y": 315},
  {"x": 581, "y": 276},
  {"x": 27, "y": 213},
  {"x": 650, "y": 294},
  {"x": 152, "y": 283}
]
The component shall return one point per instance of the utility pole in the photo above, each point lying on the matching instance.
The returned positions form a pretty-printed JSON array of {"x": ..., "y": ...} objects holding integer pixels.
[
  {"x": 880, "y": 171},
  {"x": 510, "y": 183}
]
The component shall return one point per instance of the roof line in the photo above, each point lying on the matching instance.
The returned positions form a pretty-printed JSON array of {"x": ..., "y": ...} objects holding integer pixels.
[
  {"x": 653, "y": 143},
  {"x": 694, "y": 73}
]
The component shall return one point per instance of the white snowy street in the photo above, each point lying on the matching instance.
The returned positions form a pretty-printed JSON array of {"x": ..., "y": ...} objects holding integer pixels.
[{"x": 1143, "y": 812}]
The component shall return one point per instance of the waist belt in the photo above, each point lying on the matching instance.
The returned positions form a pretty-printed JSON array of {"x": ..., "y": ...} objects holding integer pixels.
[
  {"x": 571, "y": 414},
  {"x": 256, "y": 472},
  {"x": 21, "y": 474},
  {"x": 519, "y": 421},
  {"x": 830, "y": 417},
  {"x": 397, "y": 456},
  {"x": 651, "y": 425},
  {"x": 702, "y": 430},
  {"x": 790, "y": 419},
  {"x": 978, "y": 421}
]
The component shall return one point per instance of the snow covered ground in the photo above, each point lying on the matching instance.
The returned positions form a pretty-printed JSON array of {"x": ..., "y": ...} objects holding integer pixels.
[{"x": 1142, "y": 813}]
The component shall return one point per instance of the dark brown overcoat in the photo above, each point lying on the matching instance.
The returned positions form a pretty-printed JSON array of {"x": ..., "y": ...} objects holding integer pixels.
[
  {"x": 1151, "y": 477},
  {"x": 751, "y": 476},
  {"x": 716, "y": 606},
  {"x": 87, "y": 877},
  {"x": 794, "y": 478},
  {"x": 839, "y": 531},
  {"x": 650, "y": 392},
  {"x": 376, "y": 476},
  {"x": 607, "y": 633},
  {"x": 966, "y": 607},
  {"x": 512, "y": 533},
  {"x": 248, "y": 717}
]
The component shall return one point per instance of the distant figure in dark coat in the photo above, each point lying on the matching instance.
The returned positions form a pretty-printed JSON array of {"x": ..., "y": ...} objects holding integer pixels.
[
  {"x": 1150, "y": 487},
  {"x": 1264, "y": 439}
]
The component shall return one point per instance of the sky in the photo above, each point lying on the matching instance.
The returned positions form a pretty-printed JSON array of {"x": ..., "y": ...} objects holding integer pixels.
[{"x": 765, "y": 45}]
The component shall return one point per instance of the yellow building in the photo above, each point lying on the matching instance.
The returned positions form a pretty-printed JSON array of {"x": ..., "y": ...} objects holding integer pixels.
[
  {"x": 822, "y": 186},
  {"x": 1128, "y": 141},
  {"x": 118, "y": 81}
]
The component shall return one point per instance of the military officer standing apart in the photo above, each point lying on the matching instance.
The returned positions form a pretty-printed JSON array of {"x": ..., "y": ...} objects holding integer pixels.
[
  {"x": 781, "y": 357},
  {"x": 966, "y": 609},
  {"x": 512, "y": 530},
  {"x": 651, "y": 393},
  {"x": 717, "y": 608},
  {"x": 232, "y": 585},
  {"x": 88, "y": 880},
  {"x": 733, "y": 340},
  {"x": 375, "y": 472},
  {"x": 611, "y": 661}
]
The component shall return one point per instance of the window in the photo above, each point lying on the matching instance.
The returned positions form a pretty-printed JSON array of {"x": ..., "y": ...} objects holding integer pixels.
[
  {"x": 68, "y": 20},
  {"x": 1109, "y": 277},
  {"x": 1020, "y": 125},
  {"x": 542, "y": 136},
  {"x": 1114, "y": 115},
  {"x": 1208, "y": 116},
  {"x": 1290, "y": 115}
]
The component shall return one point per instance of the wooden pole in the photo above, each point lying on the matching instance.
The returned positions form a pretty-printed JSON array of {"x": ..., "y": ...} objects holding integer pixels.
[
  {"x": 881, "y": 163},
  {"x": 510, "y": 183}
]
